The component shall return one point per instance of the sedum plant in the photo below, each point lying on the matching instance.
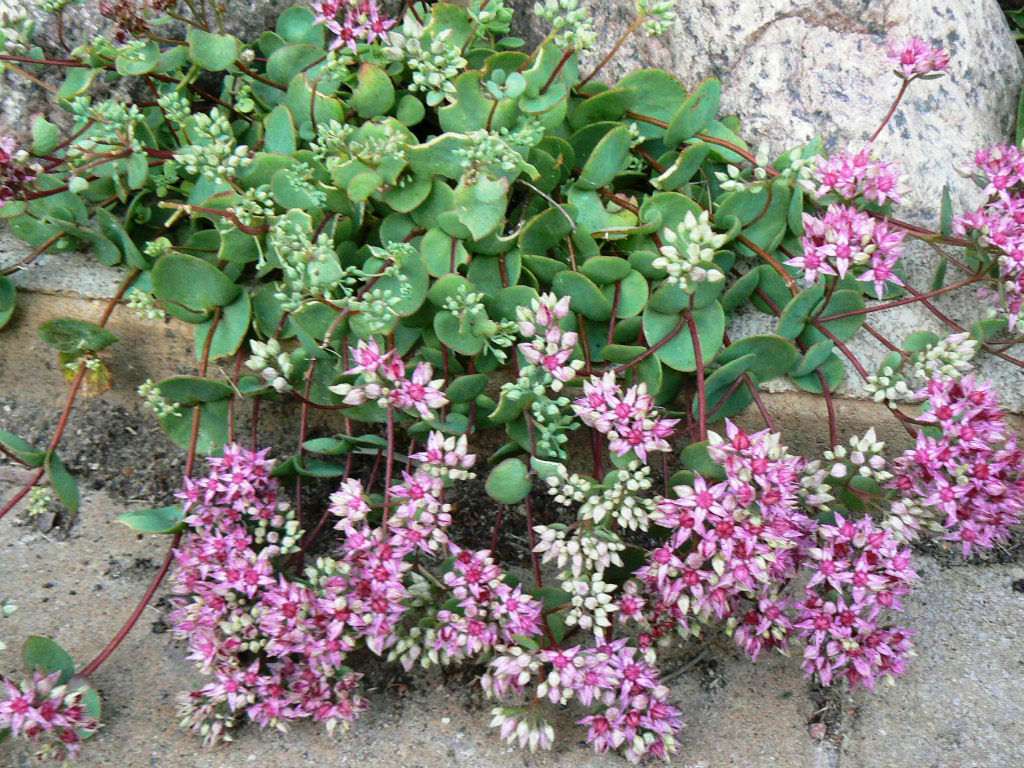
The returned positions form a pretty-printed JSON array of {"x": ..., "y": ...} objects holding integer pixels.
[{"x": 477, "y": 259}]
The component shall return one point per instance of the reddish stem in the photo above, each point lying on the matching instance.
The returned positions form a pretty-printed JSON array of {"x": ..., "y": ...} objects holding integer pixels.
[
  {"x": 702, "y": 424},
  {"x": 122, "y": 633},
  {"x": 891, "y": 112}
]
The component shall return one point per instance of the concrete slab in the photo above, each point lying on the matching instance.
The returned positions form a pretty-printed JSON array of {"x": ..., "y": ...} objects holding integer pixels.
[{"x": 961, "y": 705}]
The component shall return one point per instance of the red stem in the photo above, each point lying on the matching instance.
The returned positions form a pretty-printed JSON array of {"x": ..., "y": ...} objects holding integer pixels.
[
  {"x": 891, "y": 112},
  {"x": 702, "y": 424}
]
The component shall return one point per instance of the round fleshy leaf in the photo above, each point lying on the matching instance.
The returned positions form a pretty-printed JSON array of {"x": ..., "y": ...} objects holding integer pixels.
[
  {"x": 509, "y": 482},
  {"x": 678, "y": 351}
]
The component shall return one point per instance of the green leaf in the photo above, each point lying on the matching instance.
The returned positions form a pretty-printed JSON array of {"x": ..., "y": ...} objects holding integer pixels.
[
  {"x": 546, "y": 230},
  {"x": 695, "y": 456},
  {"x": 988, "y": 329},
  {"x": 740, "y": 291},
  {"x": 605, "y": 270},
  {"x": 212, "y": 52},
  {"x": 919, "y": 341},
  {"x": 46, "y": 655},
  {"x": 8, "y": 300},
  {"x": 815, "y": 356},
  {"x": 479, "y": 207},
  {"x": 633, "y": 294},
  {"x": 312, "y": 467},
  {"x": 683, "y": 167},
  {"x": 678, "y": 353},
  {"x": 509, "y": 482},
  {"x": 946, "y": 210},
  {"x": 585, "y": 297},
  {"x": 77, "y": 81},
  {"x": 774, "y": 356},
  {"x": 328, "y": 446},
  {"x": 62, "y": 482},
  {"x": 695, "y": 114},
  {"x": 1019, "y": 131},
  {"x": 230, "y": 332},
  {"x": 841, "y": 301},
  {"x": 213, "y": 427},
  {"x": 607, "y": 159},
  {"x": 138, "y": 61},
  {"x": 445, "y": 287},
  {"x": 410, "y": 110},
  {"x": 374, "y": 93},
  {"x": 22, "y": 449},
  {"x": 45, "y": 137},
  {"x": 298, "y": 24},
  {"x": 192, "y": 390},
  {"x": 832, "y": 370},
  {"x": 280, "y": 135},
  {"x": 450, "y": 332},
  {"x": 657, "y": 95},
  {"x": 795, "y": 314},
  {"x": 463, "y": 389},
  {"x": 443, "y": 253},
  {"x": 73, "y": 337},
  {"x": 192, "y": 282},
  {"x": 158, "y": 520}
]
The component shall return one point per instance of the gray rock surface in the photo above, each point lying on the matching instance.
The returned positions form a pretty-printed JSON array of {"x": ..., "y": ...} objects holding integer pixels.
[{"x": 962, "y": 702}]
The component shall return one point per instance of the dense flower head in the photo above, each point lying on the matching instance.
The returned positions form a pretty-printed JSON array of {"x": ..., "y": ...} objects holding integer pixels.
[
  {"x": 48, "y": 714},
  {"x": 916, "y": 58},
  {"x": 629, "y": 709},
  {"x": 999, "y": 224},
  {"x": 969, "y": 472},
  {"x": 729, "y": 543},
  {"x": 489, "y": 611},
  {"x": 846, "y": 238},
  {"x": 548, "y": 348},
  {"x": 15, "y": 172},
  {"x": 859, "y": 174},
  {"x": 383, "y": 379},
  {"x": 362, "y": 21},
  {"x": 628, "y": 418},
  {"x": 858, "y": 572},
  {"x": 232, "y": 602}
]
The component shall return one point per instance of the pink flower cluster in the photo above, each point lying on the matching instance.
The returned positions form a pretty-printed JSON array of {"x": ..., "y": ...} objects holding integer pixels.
[
  {"x": 548, "y": 347},
  {"x": 50, "y": 715},
  {"x": 363, "y": 21},
  {"x": 630, "y": 709},
  {"x": 845, "y": 238},
  {"x": 858, "y": 174},
  {"x": 734, "y": 546},
  {"x": 1000, "y": 222},
  {"x": 858, "y": 571},
  {"x": 916, "y": 58},
  {"x": 14, "y": 174},
  {"x": 488, "y": 609},
  {"x": 273, "y": 646},
  {"x": 730, "y": 544},
  {"x": 383, "y": 380},
  {"x": 970, "y": 469},
  {"x": 274, "y": 643},
  {"x": 628, "y": 418}
]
